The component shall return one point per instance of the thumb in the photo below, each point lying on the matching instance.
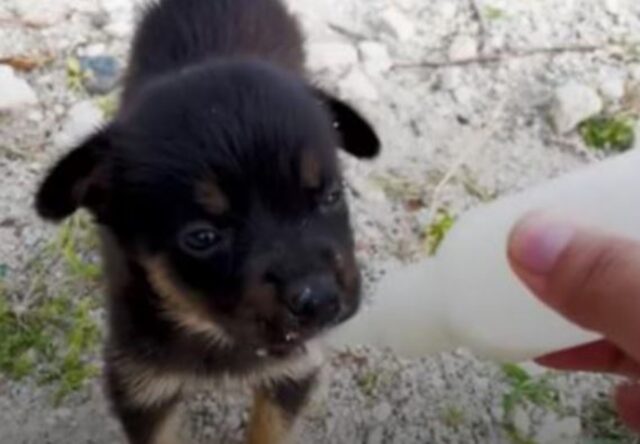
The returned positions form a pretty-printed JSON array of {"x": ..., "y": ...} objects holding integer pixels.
[{"x": 589, "y": 277}]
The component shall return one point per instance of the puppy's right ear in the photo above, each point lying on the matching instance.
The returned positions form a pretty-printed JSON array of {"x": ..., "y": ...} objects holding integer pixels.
[{"x": 78, "y": 180}]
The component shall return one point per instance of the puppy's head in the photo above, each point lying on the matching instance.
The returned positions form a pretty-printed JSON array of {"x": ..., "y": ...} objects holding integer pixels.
[{"x": 223, "y": 183}]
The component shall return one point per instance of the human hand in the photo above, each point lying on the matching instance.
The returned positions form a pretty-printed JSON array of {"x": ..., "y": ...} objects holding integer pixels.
[{"x": 593, "y": 280}]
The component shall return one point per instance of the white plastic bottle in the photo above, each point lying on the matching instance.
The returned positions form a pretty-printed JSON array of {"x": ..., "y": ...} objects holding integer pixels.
[{"x": 468, "y": 297}]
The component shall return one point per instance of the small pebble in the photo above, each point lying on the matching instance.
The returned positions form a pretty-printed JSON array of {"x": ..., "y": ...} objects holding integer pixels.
[
  {"x": 358, "y": 85},
  {"x": 103, "y": 73},
  {"x": 573, "y": 103},
  {"x": 375, "y": 56},
  {"x": 331, "y": 56},
  {"x": 82, "y": 119},
  {"x": 16, "y": 92},
  {"x": 463, "y": 47},
  {"x": 397, "y": 24}
]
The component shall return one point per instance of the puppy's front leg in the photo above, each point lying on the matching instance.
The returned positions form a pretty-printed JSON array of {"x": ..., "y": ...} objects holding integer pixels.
[
  {"x": 276, "y": 407},
  {"x": 145, "y": 405}
]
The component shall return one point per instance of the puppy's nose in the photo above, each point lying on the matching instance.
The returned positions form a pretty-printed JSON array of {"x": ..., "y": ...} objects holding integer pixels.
[{"x": 314, "y": 301}]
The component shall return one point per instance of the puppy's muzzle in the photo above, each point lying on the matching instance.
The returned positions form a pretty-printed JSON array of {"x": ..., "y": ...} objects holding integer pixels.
[{"x": 314, "y": 301}]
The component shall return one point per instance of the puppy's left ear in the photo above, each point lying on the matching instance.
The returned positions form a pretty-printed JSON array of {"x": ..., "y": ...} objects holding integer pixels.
[{"x": 358, "y": 137}]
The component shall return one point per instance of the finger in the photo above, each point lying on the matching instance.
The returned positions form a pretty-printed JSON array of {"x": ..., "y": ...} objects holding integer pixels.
[
  {"x": 591, "y": 278},
  {"x": 600, "y": 356},
  {"x": 628, "y": 405}
]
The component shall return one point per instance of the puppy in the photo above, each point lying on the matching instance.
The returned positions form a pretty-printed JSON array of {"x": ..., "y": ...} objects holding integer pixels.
[{"x": 226, "y": 236}]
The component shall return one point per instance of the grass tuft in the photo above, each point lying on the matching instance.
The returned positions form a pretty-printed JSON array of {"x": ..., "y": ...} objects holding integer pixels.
[
  {"x": 611, "y": 133},
  {"x": 437, "y": 231}
]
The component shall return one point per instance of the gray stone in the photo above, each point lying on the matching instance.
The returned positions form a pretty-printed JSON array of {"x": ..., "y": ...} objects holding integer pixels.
[
  {"x": 82, "y": 119},
  {"x": 15, "y": 93},
  {"x": 463, "y": 47},
  {"x": 397, "y": 24},
  {"x": 376, "y": 436},
  {"x": 121, "y": 17},
  {"x": 521, "y": 421},
  {"x": 613, "y": 7},
  {"x": 358, "y": 85},
  {"x": 564, "y": 431},
  {"x": 382, "y": 412},
  {"x": 573, "y": 103},
  {"x": 375, "y": 57},
  {"x": 331, "y": 56},
  {"x": 42, "y": 13},
  {"x": 612, "y": 88},
  {"x": 103, "y": 73},
  {"x": 447, "y": 10}
]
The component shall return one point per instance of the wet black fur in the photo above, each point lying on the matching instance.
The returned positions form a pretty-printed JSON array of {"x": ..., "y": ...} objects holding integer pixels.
[{"x": 216, "y": 89}]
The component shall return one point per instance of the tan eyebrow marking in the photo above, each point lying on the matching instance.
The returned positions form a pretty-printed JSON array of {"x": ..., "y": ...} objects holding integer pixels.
[
  {"x": 310, "y": 170},
  {"x": 211, "y": 197}
]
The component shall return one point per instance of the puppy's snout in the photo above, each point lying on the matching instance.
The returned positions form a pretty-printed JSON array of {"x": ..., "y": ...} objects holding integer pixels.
[{"x": 314, "y": 301}]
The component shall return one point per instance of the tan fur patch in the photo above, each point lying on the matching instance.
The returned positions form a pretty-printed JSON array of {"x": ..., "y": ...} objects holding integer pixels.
[
  {"x": 182, "y": 310},
  {"x": 211, "y": 197},
  {"x": 146, "y": 386},
  {"x": 268, "y": 424},
  {"x": 169, "y": 431},
  {"x": 310, "y": 171}
]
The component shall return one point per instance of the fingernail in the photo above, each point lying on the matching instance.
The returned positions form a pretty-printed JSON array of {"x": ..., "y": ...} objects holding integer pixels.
[{"x": 538, "y": 242}]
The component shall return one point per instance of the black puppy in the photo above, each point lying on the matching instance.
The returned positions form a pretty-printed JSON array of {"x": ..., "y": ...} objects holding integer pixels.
[{"x": 225, "y": 231}]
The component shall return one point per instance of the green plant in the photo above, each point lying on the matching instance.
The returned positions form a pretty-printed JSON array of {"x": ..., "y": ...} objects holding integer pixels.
[
  {"x": 437, "y": 231},
  {"x": 368, "y": 382},
  {"x": 603, "y": 425},
  {"x": 75, "y": 238},
  {"x": 615, "y": 133},
  {"x": 45, "y": 334},
  {"x": 453, "y": 417},
  {"x": 524, "y": 389},
  {"x": 76, "y": 76},
  {"x": 49, "y": 341},
  {"x": 493, "y": 13},
  {"x": 108, "y": 105}
]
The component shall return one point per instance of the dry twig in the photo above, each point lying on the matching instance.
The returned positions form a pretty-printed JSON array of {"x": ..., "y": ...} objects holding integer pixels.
[{"x": 499, "y": 57}]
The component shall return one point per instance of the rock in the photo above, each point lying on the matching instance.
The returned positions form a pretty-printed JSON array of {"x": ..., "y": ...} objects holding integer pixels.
[
  {"x": 16, "y": 92},
  {"x": 450, "y": 78},
  {"x": 375, "y": 56},
  {"x": 332, "y": 56},
  {"x": 358, "y": 85},
  {"x": 121, "y": 17},
  {"x": 447, "y": 10},
  {"x": 573, "y": 103},
  {"x": 463, "y": 47},
  {"x": 564, "y": 431},
  {"x": 521, "y": 421},
  {"x": 382, "y": 412},
  {"x": 612, "y": 88},
  {"x": 613, "y": 7},
  {"x": 82, "y": 119},
  {"x": 376, "y": 436},
  {"x": 397, "y": 24},
  {"x": 103, "y": 73},
  {"x": 120, "y": 29},
  {"x": 42, "y": 13},
  {"x": 94, "y": 50},
  {"x": 463, "y": 95}
]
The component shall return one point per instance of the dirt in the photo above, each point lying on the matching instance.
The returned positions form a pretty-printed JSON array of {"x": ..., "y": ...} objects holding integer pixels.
[{"x": 462, "y": 71}]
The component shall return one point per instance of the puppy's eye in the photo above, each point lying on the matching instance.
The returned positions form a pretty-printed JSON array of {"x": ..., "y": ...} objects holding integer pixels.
[
  {"x": 332, "y": 199},
  {"x": 199, "y": 239}
]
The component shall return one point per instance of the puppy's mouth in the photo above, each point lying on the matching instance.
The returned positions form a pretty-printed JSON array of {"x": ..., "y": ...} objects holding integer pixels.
[{"x": 286, "y": 338}]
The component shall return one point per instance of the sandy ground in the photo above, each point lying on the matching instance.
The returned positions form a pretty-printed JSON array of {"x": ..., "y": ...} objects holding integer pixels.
[{"x": 397, "y": 61}]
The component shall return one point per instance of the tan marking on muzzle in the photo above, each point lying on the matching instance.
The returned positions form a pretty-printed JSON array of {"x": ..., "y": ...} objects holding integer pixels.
[{"x": 183, "y": 310}]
